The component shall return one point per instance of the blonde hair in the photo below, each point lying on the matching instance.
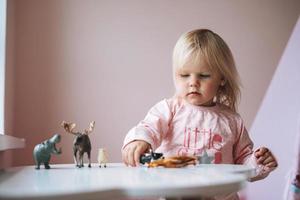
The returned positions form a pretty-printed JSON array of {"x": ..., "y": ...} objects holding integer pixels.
[{"x": 205, "y": 44}]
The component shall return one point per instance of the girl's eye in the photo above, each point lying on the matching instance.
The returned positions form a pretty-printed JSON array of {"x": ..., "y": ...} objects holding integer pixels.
[
  {"x": 184, "y": 75},
  {"x": 204, "y": 76}
]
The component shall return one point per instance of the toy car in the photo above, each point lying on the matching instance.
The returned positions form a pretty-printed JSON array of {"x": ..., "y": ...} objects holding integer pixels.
[{"x": 149, "y": 157}]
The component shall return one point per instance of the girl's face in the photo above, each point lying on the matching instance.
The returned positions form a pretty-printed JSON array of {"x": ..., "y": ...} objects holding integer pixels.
[{"x": 197, "y": 84}]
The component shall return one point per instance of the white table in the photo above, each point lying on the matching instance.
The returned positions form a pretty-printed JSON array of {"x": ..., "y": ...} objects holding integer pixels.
[{"x": 118, "y": 181}]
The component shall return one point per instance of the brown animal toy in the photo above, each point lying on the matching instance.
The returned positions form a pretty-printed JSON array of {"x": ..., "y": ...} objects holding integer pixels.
[
  {"x": 173, "y": 162},
  {"x": 82, "y": 143}
]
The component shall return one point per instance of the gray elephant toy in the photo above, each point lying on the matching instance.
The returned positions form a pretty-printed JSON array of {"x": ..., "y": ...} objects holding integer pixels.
[{"x": 42, "y": 152}]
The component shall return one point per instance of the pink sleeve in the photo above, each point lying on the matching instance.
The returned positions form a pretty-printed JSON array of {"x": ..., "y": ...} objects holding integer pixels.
[
  {"x": 153, "y": 128},
  {"x": 243, "y": 147}
]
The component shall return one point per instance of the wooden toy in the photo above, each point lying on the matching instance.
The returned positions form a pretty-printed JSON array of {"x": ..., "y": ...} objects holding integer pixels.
[
  {"x": 174, "y": 162},
  {"x": 102, "y": 157}
]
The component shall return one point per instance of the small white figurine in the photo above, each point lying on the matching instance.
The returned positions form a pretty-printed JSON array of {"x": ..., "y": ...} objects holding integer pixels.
[{"x": 102, "y": 157}]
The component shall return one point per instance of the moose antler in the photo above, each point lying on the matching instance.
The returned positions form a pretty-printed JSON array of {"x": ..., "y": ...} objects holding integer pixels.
[
  {"x": 69, "y": 127},
  {"x": 90, "y": 129}
]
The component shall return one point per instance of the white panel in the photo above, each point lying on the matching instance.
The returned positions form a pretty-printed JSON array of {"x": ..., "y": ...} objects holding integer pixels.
[{"x": 275, "y": 125}]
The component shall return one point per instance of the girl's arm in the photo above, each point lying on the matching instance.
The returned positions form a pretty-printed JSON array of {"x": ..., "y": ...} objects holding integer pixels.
[
  {"x": 149, "y": 133},
  {"x": 263, "y": 161}
]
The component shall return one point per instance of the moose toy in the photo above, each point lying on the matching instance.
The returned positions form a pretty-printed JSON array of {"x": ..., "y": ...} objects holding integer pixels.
[{"x": 82, "y": 143}]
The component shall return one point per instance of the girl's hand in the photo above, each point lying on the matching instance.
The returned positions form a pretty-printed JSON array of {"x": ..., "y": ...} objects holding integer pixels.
[
  {"x": 131, "y": 152},
  {"x": 265, "y": 157}
]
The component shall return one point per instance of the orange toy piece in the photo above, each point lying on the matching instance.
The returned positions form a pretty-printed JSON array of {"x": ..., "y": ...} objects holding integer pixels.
[{"x": 174, "y": 162}]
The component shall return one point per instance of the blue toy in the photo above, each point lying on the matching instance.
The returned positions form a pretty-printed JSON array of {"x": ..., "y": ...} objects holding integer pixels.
[{"x": 42, "y": 152}]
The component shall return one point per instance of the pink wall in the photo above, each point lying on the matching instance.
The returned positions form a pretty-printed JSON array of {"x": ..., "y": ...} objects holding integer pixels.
[
  {"x": 109, "y": 61},
  {"x": 6, "y": 159}
]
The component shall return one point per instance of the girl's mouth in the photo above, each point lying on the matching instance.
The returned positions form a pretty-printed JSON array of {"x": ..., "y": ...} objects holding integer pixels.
[{"x": 193, "y": 93}]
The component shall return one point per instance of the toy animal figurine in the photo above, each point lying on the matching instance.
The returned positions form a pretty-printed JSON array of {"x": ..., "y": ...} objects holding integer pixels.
[
  {"x": 42, "y": 152},
  {"x": 81, "y": 143},
  {"x": 102, "y": 157},
  {"x": 151, "y": 156}
]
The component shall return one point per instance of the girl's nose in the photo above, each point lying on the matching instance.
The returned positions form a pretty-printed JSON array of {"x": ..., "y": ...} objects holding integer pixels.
[{"x": 194, "y": 82}]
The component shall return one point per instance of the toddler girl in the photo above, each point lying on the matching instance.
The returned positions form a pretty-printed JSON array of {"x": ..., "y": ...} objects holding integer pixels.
[{"x": 201, "y": 118}]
